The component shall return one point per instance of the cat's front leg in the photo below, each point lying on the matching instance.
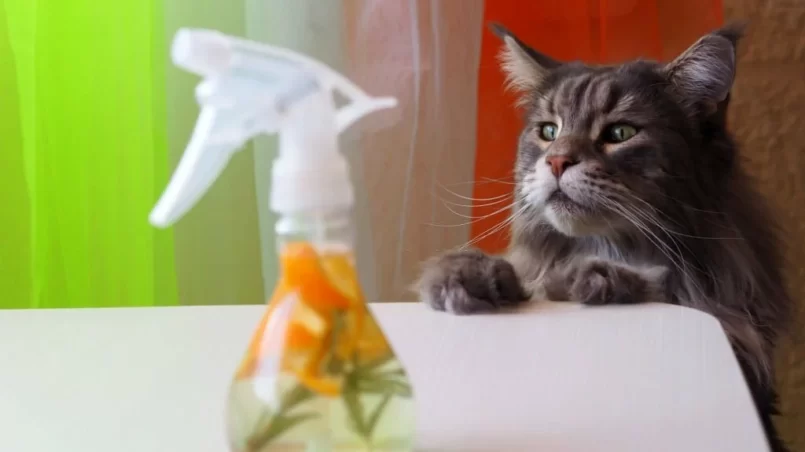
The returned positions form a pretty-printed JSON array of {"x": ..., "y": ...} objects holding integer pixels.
[
  {"x": 600, "y": 282},
  {"x": 468, "y": 281}
]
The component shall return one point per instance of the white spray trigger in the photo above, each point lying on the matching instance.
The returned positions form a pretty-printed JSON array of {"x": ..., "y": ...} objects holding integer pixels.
[{"x": 250, "y": 89}]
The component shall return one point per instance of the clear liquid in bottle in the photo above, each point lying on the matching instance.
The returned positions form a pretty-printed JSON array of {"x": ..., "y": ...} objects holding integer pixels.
[{"x": 319, "y": 374}]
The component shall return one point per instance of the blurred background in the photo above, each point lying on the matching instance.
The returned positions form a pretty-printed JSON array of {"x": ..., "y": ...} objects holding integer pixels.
[{"x": 94, "y": 118}]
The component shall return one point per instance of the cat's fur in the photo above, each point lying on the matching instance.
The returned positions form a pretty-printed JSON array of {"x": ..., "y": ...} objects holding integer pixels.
[{"x": 668, "y": 215}]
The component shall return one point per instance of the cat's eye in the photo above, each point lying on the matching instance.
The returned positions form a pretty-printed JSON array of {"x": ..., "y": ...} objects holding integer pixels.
[
  {"x": 618, "y": 133},
  {"x": 548, "y": 131}
]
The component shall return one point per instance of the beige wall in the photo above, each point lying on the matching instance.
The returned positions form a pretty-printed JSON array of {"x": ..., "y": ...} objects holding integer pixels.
[{"x": 768, "y": 117}]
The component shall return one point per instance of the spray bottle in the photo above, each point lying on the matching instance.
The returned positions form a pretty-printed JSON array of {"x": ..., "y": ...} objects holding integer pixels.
[{"x": 319, "y": 374}]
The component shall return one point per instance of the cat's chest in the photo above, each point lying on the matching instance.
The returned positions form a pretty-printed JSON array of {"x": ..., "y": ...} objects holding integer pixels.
[{"x": 629, "y": 252}]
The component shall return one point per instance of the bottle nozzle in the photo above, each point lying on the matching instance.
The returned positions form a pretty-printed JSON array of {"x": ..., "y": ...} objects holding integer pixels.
[
  {"x": 249, "y": 89},
  {"x": 202, "y": 52},
  {"x": 351, "y": 113},
  {"x": 202, "y": 162}
]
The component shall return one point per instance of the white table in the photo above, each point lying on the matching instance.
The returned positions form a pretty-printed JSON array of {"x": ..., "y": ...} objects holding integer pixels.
[{"x": 556, "y": 378}]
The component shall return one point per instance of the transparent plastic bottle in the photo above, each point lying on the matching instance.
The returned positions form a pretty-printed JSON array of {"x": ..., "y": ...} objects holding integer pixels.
[{"x": 319, "y": 374}]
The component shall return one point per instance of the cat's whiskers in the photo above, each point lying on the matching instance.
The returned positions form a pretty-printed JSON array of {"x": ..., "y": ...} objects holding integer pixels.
[
  {"x": 500, "y": 226},
  {"x": 508, "y": 180},
  {"x": 666, "y": 229},
  {"x": 649, "y": 215},
  {"x": 620, "y": 190},
  {"x": 618, "y": 208},
  {"x": 674, "y": 256},
  {"x": 489, "y": 180},
  {"x": 654, "y": 221},
  {"x": 470, "y": 198},
  {"x": 483, "y": 217},
  {"x": 473, "y": 219},
  {"x": 486, "y": 204},
  {"x": 688, "y": 206}
]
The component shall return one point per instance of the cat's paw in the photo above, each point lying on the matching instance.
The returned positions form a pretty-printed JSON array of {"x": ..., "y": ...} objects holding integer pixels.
[
  {"x": 464, "y": 282},
  {"x": 602, "y": 282}
]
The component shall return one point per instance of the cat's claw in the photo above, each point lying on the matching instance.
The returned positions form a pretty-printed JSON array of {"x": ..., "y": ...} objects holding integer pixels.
[{"x": 465, "y": 282}]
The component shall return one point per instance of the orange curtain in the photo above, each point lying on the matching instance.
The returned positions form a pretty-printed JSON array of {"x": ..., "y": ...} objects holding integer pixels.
[{"x": 597, "y": 31}]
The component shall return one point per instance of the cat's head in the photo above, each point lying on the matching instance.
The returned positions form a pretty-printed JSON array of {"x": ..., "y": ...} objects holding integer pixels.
[{"x": 603, "y": 145}]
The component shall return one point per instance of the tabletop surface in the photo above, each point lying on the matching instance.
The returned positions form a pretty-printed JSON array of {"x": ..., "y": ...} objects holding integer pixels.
[{"x": 555, "y": 377}]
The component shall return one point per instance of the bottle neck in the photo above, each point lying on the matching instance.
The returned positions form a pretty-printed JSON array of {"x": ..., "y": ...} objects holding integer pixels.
[{"x": 322, "y": 229}]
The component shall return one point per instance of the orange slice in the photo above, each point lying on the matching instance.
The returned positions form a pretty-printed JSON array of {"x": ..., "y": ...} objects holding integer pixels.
[
  {"x": 340, "y": 271},
  {"x": 299, "y": 337},
  {"x": 302, "y": 270}
]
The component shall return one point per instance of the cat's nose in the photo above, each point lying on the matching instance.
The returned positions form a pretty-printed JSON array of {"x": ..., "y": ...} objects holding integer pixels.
[{"x": 559, "y": 163}]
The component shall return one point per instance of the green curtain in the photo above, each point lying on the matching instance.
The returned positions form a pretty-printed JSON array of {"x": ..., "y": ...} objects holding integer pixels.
[
  {"x": 84, "y": 154},
  {"x": 94, "y": 120}
]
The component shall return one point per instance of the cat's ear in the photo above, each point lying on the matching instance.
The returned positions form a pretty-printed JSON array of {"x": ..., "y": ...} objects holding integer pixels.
[
  {"x": 704, "y": 73},
  {"x": 525, "y": 67}
]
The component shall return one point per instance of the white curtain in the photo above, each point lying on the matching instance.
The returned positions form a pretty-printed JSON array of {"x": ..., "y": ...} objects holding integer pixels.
[
  {"x": 425, "y": 52},
  {"x": 406, "y": 161}
]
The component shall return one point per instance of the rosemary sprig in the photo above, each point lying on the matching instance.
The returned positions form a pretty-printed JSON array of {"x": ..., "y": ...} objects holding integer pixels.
[
  {"x": 368, "y": 379},
  {"x": 371, "y": 423},
  {"x": 371, "y": 365},
  {"x": 385, "y": 386},
  {"x": 296, "y": 396},
  {"x": 283, "y": 420},
  {"x": 352, "y": 400}
]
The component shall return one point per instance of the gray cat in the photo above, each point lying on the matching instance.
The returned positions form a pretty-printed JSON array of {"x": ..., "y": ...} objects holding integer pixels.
[{"x": 629, "y": 189}]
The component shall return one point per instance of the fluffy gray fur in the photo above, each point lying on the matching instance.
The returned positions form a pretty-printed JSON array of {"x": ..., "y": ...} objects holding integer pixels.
[{"x": 668, "y": 215}]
